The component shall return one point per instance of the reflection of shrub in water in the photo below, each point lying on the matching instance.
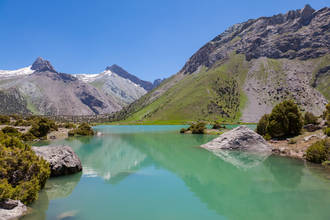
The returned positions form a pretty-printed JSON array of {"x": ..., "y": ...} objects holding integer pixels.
[{"x": 285, "y": 177}]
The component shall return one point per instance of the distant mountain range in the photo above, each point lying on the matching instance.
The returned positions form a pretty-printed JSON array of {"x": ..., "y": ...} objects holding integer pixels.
[
  {"x": 243, "y": 72},
  {"x": 40, "y": 89}
]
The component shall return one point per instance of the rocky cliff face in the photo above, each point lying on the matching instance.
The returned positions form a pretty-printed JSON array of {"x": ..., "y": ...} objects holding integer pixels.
[{"x": 301, "y": 34}]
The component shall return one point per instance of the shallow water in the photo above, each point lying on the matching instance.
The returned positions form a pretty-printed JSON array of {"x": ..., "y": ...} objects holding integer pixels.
[{"x": 153, "y": 172}]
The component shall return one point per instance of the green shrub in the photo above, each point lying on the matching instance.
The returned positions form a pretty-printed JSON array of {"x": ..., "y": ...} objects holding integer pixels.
[
  {"x": 197, "y": 128},
  {"x": 4, "y": 119},
  {"x": 69, "y": 125},
  {"x": 262, "y": 125},
  {"x": 22, "y": 173},
  {"x": 217, "y": 125},
  {"x": 319, "y": 151},
  {"x": 326, "y": 163},
  {"x": 40, "y": 130},
  {"x": 41, "y": 127},
  {"x": 21, "y": 122},
  {"x": 310, "y": 119},
  {"x": 15, "y": 117},
  {"x": 285, "y": 120},
  {"x": 84, "y": 129},
  {"x": 327, "y": 131},
  {"x": 267, "y": 137},
  {"x": 71, "y": 133},
  {"x": 28, "y": 136},
  {"x": 326, "y": 114},
  {"x": 11, "y": 131}
]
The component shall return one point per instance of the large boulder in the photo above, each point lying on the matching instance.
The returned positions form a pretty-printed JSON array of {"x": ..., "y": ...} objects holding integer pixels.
[
  {"x": 62, "y": 159},
  {"x": 12, "y": 209},
  {"x": 240, "y": 138},
  {"x": 241, "y": 147}
]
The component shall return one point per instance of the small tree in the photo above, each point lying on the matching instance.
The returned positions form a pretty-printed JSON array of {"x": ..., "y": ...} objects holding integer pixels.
[
  {"x": 285, "y": 120},
  {"x": 326, "y": 114},
  {"x": 319, "y": 151},
  {"x": 262, "y": 125}
]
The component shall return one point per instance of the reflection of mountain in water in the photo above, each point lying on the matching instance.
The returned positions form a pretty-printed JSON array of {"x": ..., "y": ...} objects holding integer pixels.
[
  {"x": 110, "y": 157},
  {"x": 230, "y": 191},
  {"x": 221, "y": 184}
]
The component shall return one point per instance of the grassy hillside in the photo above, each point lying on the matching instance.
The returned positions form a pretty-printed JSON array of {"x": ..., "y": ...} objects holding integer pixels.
[
  {"x": 209, "y": 95},
  {"x": 234, "y": 90},
  {"x": 322, "y": 76}
]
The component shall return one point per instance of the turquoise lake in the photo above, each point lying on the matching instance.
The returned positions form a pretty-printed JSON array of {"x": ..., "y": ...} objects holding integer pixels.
[{"x": 153, "y": 172}]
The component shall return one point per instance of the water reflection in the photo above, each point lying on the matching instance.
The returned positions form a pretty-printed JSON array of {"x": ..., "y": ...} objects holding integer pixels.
[
  {"x": 272, "y": 188},
  {"x": 241, "y": 159},
  {"x": 55, "y": 188}
]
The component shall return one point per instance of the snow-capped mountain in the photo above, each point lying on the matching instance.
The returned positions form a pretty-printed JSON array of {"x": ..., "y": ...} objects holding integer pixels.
[
  {"x": 40, "y": 89},
  {"x": 114, "y": 85},
  {"x": 14, "y": 73}
]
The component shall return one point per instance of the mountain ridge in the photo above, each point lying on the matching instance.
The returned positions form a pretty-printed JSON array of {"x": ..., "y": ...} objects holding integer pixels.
[
  {"x": 40, "y": 89},
  {"x": 246, "y": 70}
]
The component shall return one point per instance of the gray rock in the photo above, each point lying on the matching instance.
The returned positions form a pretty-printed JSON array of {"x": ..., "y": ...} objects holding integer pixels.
[
  {"x": 62, "y": 159},
  {"x": 42, "y": 65},
  {"x": 12, "y": 209},
  {"x": 240, "y": 138},
  {"x": 241, "y": 147}
]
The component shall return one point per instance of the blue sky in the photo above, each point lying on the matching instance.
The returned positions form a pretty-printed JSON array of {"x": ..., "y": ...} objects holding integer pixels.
[{"x": 149, "y": 38}]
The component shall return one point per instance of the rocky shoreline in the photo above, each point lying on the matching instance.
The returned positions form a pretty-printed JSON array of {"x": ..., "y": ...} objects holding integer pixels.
[
  {"x": 296, "y": 147},
  {"x": 63, "y": 161}
]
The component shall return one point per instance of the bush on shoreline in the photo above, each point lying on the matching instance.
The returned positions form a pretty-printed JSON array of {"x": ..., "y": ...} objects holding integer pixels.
[
  {"x": 84, "y": 129},
  {"x": 195, "y": 128},
  {"x": 285, "y": 120},
  {"x": 11, "y": 131},
  {"x": 217, "y": 125},
  {"x": 319, "y": 152},
  {"x": 22, "y": 173}
]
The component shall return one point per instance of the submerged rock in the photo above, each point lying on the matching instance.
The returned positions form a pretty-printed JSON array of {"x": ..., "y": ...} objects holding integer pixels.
[
  {"x": 12, "y": 209},
  {"x": 241, "y": 147},
  {"x": 62, "y": 159}
]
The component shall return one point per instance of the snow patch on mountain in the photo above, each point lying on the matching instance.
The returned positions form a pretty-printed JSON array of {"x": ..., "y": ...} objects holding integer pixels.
[{"x": 19, "y": 72}]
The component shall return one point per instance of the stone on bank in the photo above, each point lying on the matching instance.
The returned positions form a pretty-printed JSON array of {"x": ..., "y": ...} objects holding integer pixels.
[
  {"x": 242, "y": 147},
  {"x": 62, "y": 159},
  {"x": 12, "y": 209}
]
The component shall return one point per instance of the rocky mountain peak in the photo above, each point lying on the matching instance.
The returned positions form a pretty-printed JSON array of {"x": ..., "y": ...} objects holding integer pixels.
[
  {"x": 41, "y": 65},
  {"x": 114, "y": 67},
  {"x": 123, "y": 73},
  {"x": 301, "y": 34},
  {"x": 306, "y": 14}
]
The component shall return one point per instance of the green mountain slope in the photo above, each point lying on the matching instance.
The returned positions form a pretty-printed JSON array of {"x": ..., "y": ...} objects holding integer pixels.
[{"x": 242, "y": 73}]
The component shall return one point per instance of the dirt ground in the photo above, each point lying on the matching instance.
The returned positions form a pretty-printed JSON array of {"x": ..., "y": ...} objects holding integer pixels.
[{"x": 297, "y": 146}]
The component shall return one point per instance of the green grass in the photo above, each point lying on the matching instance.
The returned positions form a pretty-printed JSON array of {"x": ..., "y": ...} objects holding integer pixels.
[
  {"x": 322, "y": 83},
  {"x": 188, "y": 100}
]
